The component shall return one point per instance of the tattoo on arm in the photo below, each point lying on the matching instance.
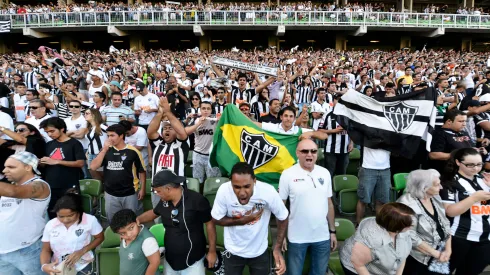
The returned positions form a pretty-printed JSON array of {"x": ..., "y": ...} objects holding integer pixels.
[{"x": 37, "y": 188}]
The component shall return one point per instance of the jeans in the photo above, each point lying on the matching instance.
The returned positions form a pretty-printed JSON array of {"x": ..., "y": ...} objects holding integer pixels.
[
  {"x": 336, "y": 164},
  {"x": 24, "y": 261},
  {"x": 377, "y": 182},
  {"x": 196, "y": 269},
  {"x": 320, "y": 254}
]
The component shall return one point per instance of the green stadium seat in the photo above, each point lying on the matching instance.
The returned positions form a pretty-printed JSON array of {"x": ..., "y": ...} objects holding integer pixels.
[
  {"x": 158, "y": 232},
  {"x": 345, "y": 229},
  {"x": 193, "y": 184},
  {"x": 147, "y": 205},
  {"x": 345, "y": 187},
  {"x": 341, "y": 182},
  {"x": 103, "y": 214},
  {"x": 90, "y": 189},
  {"x": 400, "y": 182},
  {"x": 189, "y": 157},
  {"x": 188, "y": 171},
  {"x": 354, "y": 159},
  {"x": 211, "y": 186},
  {"x": 108, "y": 254}
]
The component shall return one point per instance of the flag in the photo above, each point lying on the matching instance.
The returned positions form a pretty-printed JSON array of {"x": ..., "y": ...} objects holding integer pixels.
[
  {"x": 237, "y": 139},
  {"x": 397, "y": 124},
  {"x": 4, "y": 26}
]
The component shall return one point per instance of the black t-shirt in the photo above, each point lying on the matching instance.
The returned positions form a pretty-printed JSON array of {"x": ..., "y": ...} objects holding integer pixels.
[
  {"x": 121, "y": 168},
  {"x": 445, "y": 141},
  {"x": 177, "y": 245},
  {"x": 36, "y": 145},
  {"x": 59, "y": 176},
  {"x": 269, "y": 118},
  {"x": 177, "y": 104}
]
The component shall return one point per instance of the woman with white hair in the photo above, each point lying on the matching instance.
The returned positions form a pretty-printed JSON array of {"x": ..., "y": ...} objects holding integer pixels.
[{"x": 430, "y": 231}]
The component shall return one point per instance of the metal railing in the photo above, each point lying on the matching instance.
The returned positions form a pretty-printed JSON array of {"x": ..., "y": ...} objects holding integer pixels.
[{"x": 258, "y": 18}]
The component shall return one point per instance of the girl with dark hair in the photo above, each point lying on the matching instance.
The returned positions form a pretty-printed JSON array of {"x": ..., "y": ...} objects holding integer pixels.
[
  {"x": 27, "y": 137},
  {"x": 207, "y": 94},
  {"x": 465, "y": 196},
  {"x": 261, "y": 106},
  {"x": 96, "y": 134},
  {"x": 68, "y": 237}
]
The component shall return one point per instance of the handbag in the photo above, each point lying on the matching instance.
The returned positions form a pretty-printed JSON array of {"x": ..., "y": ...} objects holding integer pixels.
[{"x": 439, "y": 267}]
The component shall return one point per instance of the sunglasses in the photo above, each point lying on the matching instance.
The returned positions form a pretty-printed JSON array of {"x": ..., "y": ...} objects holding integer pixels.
[
  {"x": 34, "y": 107},
  {"x": 20, "y": 130},
  {"x": 75, "y": 106},
  {"x": 306, "y": 151},
  {"x": 174, "y": 214}
]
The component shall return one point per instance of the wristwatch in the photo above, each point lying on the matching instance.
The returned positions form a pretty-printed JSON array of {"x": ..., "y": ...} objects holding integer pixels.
[{"x": 332, "y": 231}]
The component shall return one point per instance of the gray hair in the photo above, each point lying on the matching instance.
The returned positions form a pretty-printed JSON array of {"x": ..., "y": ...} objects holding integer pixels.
[{"x": 419, "y": 181}]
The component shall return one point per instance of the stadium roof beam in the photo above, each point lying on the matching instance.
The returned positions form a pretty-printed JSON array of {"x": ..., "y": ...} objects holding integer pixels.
[
  {"x": 114, "y": 31},
  {"x": 29, "y": 32},
  {"x": 197, "y": 30},
  {"x": 435, "y": 33},
  {"x": 362, "y": 30},
  {"x": 281, "y": 30}
]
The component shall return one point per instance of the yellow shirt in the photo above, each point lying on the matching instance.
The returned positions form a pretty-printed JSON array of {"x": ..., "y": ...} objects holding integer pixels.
[{"x": 408, "y": 79}]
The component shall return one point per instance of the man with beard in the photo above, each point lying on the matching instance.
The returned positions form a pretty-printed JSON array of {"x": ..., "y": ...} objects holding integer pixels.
[{"x": 169, "y": 147}]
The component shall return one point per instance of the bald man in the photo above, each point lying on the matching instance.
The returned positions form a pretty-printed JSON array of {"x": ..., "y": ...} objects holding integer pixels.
[{"x": 309, "y": 189}]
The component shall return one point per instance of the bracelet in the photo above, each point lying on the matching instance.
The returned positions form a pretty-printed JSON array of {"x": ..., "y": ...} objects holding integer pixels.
[{"x": 43, "y": 267}]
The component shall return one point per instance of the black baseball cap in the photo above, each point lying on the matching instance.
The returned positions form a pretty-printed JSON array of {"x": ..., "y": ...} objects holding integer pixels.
[
  {"x": 166, "y": 176},
  {"x": 140, "y": 86}
]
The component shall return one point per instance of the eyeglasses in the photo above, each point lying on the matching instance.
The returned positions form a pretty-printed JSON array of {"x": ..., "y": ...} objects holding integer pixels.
[
  {"x": 74, "y": 106},
  {"x": 20, "y": 130},
  {"x": 34, "y": 107},
  {"x": 306, "y": 151},
  {"x": 174, "y": 214},
  {"x": 472, "y": 165}
]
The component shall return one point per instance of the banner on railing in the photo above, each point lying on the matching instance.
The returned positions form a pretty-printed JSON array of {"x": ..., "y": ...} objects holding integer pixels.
[
  {"x": 172, "y": 2},
  {"x": 245, "y": 66},
  {"x": 4, "y": 26}
]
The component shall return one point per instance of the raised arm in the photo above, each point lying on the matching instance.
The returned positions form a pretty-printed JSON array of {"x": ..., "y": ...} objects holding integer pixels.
[{"x": 174, "y": 121}]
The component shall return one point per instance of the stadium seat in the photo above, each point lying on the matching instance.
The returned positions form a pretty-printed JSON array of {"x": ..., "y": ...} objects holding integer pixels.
[
  {"x": 90, "y": 189},
  {"x": 354, "y": 159},
  {"x": 400, "y": 182},
  {"x": 320, "y": 157},
  {"x": 147, "y": 205},
  {"x": 345, "y": 229},
  {"x": 108, "y": 254},
  {"x": 188, "y": 171},
  {"x": 189, "y": 158},
  {"x": 345, "y": 187},
  {"x": 193, "y": 184},
  {"x": 158, "y": 232},
  {"x": 211, "y": 186}
]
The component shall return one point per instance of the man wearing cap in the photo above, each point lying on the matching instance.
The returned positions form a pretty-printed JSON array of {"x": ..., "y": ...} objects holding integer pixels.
[
  {"x": 115, "y": 86},
  {"x": 183, "y": 214},
  {"x": 97, "y": 84},
  {"x": 23, "y": 208},
  {"x": 245, "y": 109},
  {"x": 145, "y": 105}
]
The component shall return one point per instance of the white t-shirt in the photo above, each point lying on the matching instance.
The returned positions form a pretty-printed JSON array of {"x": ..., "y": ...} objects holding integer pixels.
[
  {"x": 248, "y": 241},
  {"x": 323, "y": 108},
  {"x": 140, "y": 138},
  {"x": 77, "y": 124},
  {"x": 64, "y": 241},
  {"x": 20, "y": 106},
  {"x": 36, "y": 122},
  {"x": 7, "y": 122},
  {"x": 277, "y": 128},
  {"x": 146, "y": 102},
  {"x": 377, "y": 159},
  {"x": 308, "y": 193}
]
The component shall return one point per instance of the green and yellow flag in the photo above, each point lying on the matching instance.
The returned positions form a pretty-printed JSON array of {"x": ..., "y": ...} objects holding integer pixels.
[{"x": 238, "y": 139}]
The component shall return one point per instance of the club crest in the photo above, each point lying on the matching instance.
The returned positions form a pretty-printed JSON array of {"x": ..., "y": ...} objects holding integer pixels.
[
  {"x": 123, "y": 157},
  {"x": 79, "y": 232},
  {"x": 321, "y": 181},
  {"x": 256, "y": 150},
  {"x": 400, "y": 115}
]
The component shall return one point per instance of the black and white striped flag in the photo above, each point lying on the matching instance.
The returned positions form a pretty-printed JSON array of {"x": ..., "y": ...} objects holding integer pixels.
[
  {"x": 4, "y": 26},
  {"x": 397, "y": 125}
]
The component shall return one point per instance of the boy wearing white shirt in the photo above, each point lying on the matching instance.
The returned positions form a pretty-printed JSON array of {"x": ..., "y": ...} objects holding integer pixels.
[
  {"x": 145, "y": 105},
  {"x": 244, "y": 206}
]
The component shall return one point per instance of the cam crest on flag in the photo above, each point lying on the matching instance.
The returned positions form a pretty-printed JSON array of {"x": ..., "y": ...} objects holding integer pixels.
[
  {"x": 400, "y": 115},
  {"x": 256, "y": 150}
]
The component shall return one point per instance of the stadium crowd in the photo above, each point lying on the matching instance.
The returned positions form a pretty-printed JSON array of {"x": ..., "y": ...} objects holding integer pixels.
[
  {"x": 124, "y": 116},
  {"x": 230, "y": 6}
]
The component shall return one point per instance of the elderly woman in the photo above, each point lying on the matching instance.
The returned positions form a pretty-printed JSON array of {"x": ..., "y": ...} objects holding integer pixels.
[
  {"x": 381, "y": 245},
  {"x": 430, "y": 229}
]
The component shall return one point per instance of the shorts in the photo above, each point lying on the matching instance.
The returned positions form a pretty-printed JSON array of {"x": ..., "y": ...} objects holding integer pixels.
[
  {"x": 90, "y": 158},
  {"x": 375, "y": 182}
]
